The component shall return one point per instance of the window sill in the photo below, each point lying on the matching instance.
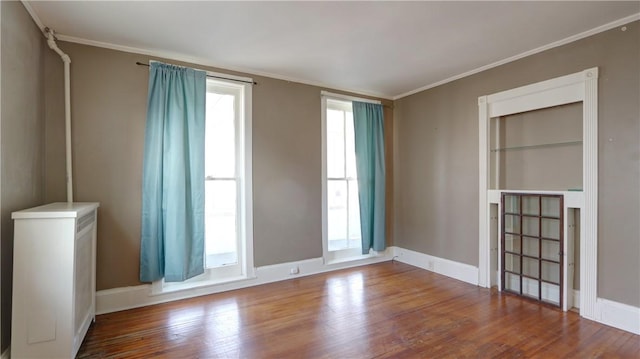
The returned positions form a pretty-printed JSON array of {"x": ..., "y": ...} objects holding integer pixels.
[
  {"x": 160, "y": 288},
  {"x": 340, "y": 260}
]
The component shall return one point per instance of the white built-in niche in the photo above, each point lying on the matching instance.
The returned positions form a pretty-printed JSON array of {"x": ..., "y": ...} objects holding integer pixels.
[
  {"x": 538, "y": 143},
  {"x": 540, "y": 149}
]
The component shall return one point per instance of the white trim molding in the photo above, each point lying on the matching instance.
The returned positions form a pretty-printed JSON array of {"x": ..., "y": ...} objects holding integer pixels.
[
  {"x": 608, "y": 312},
  {"x": 578, "y": 87},
  {"x": 452, "y": 269},
  {"x": 1, "y": 120},
  {"x": 337, "y": 96},
  {"x": 117, "y": 299},
  {"x": 208, "y": 62},
  {"x": 589, "y": 214},
  {"x": 330, "y": 100},
  {"x": 568, "y": 40},
  {"x": 618, "y": 315},
  {"x": 34, "y": 16}
]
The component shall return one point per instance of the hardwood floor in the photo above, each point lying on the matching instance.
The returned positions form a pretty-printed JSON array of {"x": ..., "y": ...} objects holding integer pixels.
[{"x": 387, "y": 310}]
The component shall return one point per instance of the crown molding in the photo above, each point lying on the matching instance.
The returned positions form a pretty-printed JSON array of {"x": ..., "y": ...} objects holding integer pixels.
[
  {"x": 33, "y": 14},
  {"x": 206, "y": 62},
  {"x": 564, "y": 41}
]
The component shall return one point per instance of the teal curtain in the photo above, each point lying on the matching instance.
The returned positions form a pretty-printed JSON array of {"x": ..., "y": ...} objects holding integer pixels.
[
  {"x": 172, "y": 241},
  {"x": 368, "y": 121}
]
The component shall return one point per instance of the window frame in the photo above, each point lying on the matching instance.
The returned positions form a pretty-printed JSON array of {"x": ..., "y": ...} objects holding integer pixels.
[
  {"x": 245, "y": 268},
  {"x": 344, "y": 255}
]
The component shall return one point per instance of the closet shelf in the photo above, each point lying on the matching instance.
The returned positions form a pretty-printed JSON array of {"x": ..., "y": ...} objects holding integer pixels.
[{"x": 556, "y": 144}]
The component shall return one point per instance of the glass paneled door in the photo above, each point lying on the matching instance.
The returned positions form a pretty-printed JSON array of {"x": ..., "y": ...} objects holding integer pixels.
[{"x": 532, "y": 242}]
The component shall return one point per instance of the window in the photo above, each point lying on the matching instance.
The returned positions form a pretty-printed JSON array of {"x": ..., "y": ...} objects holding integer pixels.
[
  {"x": 341, "y": 213},
  {"x": 221, "y": 181},
  {"x": 228, "y": 221},
  {"x": 227, "y": 185}
]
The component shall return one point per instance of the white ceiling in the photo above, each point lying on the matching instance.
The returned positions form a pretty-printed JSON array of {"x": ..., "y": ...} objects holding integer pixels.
[{"x": 388, "y": 49}]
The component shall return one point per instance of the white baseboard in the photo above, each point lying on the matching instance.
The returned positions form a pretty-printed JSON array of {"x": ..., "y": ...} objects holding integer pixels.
[
  {"x": 117, "y": 299},
  {"x": 614, "y": 314},
  {"x": 6, "y": 354},
  {"x": 618, "y": 315},
  {"x": 611, "y": 313},
  {"x": 456, "y": 270}
]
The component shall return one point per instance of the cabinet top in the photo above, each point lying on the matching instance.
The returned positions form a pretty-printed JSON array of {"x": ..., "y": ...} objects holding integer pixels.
[{"x": 56, "y": 210}]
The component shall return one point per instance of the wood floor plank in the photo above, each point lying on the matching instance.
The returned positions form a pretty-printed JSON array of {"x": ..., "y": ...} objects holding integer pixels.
[{"x": 386, "y": 310}]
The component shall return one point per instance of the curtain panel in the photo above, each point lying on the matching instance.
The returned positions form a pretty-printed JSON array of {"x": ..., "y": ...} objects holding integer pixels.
[
  {"x": 172, "y": 239},
  {"x": 368, "y": 120}
]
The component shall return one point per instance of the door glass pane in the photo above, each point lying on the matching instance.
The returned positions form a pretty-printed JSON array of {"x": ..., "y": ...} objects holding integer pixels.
[
  {"x": 551, "y": 207},
  {"x": 337, "y": 214},
  {"x": 551, "y": 250},
  {"x": 530, "y": 226},
  {"x": 220, "y": 146},
  {"x": 551, "y": 271},
  {"x": 550, "y": 228},
  {"x": 511, "y": 223},
  {"x": 512, "y": 263},
  {"x": 550, "y": 293},
  {"x": 530, "y": 246},
  {"x": 530, "y": 205},
  {"x": 530, "y": 287},
  {"x": 354, "y": 216},
  {"x": 511, "y": 204},
  {"x": 530, "y": 267},
  {"x": 335, "y": 144},
  {"x": 220, "y": 223},
  {"x": 512, "y": 282},
  {"x": 512, "y": 243}
]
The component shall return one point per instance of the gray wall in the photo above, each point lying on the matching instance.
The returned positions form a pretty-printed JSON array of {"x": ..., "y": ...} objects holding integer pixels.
[
  {"x": 22, "y": 134},
  {"x": 436, "y": 156},
  {"x": 109, "y": 94}
]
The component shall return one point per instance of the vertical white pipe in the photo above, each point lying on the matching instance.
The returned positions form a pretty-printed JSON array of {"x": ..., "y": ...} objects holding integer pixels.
[
  {"x": 67, "y": 128},
  {"x": 67, "y": 109}
]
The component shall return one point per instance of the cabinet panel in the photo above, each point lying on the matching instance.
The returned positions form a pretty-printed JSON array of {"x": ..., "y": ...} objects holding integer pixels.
[{"x": 53, "y": 279}]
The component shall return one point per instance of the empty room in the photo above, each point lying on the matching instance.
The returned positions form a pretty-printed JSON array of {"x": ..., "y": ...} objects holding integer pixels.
[{"x": 222, "y": 179}]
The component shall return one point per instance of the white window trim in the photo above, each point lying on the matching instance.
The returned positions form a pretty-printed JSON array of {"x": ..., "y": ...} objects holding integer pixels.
[
  {"x": 245, "y": 175},
  {"x": 577, "y": 87},
  {"x": 346, "y": 255},
  {"x": 341, "y": 97}
]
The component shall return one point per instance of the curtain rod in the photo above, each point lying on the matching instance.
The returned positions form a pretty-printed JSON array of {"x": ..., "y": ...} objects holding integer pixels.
[{"x": 211, "y": 76}]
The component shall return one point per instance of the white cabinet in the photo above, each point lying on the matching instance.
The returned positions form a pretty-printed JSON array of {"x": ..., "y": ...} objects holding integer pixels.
[{"x": 53, "y": 279}]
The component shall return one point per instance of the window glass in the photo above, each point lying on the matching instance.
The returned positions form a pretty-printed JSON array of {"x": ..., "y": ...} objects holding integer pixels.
[{"x": 343, "y": 208}]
